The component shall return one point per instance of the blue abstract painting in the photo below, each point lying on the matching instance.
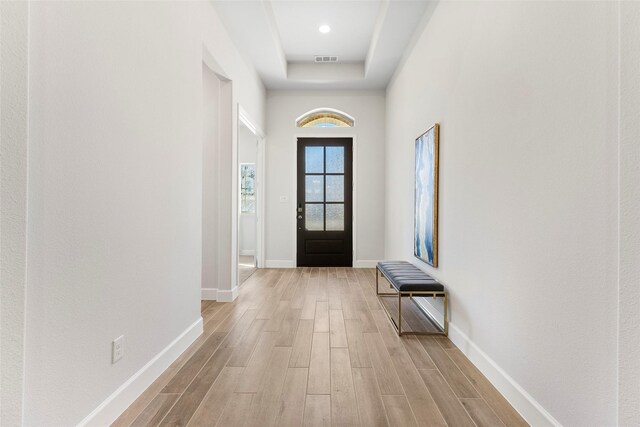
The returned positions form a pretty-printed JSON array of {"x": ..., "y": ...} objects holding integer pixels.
[{"x": 426, "y": 197}]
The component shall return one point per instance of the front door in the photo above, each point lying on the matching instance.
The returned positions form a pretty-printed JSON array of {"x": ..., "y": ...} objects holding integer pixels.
[{"x": 324, "y": 208}]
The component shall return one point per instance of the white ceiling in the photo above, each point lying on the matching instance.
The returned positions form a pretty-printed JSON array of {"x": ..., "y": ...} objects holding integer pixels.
[{"x": 281, "y": 39}]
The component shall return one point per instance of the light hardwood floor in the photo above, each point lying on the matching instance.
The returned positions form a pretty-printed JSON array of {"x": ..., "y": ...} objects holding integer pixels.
[{"x": 313, "y": 347}]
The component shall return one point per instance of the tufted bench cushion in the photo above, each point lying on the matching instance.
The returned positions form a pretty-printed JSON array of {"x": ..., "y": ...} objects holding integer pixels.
[{"x": 406, "y": 277}]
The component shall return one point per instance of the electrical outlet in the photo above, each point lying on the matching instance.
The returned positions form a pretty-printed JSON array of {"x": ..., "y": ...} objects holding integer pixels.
[{"x": 117, "y": 349}]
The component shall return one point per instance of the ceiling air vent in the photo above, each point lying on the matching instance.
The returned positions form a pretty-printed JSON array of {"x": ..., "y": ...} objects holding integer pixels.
[{"x": 320, "y": 58}]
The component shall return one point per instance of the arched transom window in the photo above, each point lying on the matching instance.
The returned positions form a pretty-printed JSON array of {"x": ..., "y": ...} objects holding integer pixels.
[{"x": 325, "y": 118}]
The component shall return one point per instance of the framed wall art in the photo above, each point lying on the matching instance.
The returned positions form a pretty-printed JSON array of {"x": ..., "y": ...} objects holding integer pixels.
[{"x": 426, "y": 197}]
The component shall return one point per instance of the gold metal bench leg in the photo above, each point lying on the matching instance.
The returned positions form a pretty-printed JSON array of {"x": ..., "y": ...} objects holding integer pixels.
[
  {"x": 378, "y": 275},
  {"x": 446, "y": 314},
  {"x": 399, "y": 314}
]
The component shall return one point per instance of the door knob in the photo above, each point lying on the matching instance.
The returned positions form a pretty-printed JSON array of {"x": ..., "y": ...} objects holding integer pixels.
[{"x": 299, "y": 216}]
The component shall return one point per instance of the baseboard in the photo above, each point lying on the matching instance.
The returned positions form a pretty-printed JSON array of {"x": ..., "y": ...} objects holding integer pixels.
[
  {"x": 247, "y": 252},
  {"x": 277, "y": 263},
  {"x": 109, "y": 410},
  {"x": 365, "y": 263},
  {"x": 228, "y": 295},
  {"x": 522, "y": 401},
  {"x": 209, "y": 294}
]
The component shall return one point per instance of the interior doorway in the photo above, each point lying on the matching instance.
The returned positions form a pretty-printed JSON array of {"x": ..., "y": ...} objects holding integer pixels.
[
  {"x": 247, "y": 221},
  {"x": 249, "y": 197},
  {"x": 324, "y": 209}
]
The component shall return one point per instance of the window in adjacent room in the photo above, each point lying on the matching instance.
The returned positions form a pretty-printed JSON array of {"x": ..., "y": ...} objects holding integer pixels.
[{"x": 248, "y": 188}]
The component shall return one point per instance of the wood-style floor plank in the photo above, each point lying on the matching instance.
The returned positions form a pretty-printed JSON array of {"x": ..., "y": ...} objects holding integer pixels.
[
  {"x": 358, "y": 351},
  {"x": 399, "y": 411},
  {"x": 237, "y": 331},
  {"x": 217, "y": 398},
  {"x": 317, "y": 410},
  {"x": 156, "y": 410},
  {"x": 337, "y": 334},
  {"x": 301, "y": 351},
  {"x": 454, "y": 376},
  {"x": 494, "y": 399},
  {"x": 320, "y": 365},
  {"x": 450, "y": 407},
  {"x": 244, "y": 349},
  {"x": 291, "y": 412},
  {"x": 309, "y": 307},
  {"x": 265, "y": 404},
  {"x": 344, "y": 410},
  {"x": 380, "y": 359},
  {"x": 418, "y": 354},
  {"x": 236, "y": 411},
  {"x": 189, "y": 401},
  {"x": 322, "y": 317},
  {"x": 481, "y": 413},
  {"x": 274, "y": 323},
  {"x": 335, "y": 302},
  {"x": 288, "y": 328},
  {"x": 422, "y": 404},
  {"x": 188, "y": 372},
  {"x": 255, "y": 370},
  {"x": 370, "y": 405}
]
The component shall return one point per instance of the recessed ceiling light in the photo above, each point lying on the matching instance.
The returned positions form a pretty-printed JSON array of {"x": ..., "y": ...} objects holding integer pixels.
[{"x": 324, "y": 29}]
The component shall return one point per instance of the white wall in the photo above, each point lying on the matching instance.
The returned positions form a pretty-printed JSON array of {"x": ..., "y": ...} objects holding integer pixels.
[
  {"x": 526, "y": 96},
  {"x": 247, "y": 153},
  {"x": 13, "y": 206},
  {"x": 283, "y": 108},
  {"x": 629, "y": 312},
  {"x": 247, "y": 145},
  {"x": 115, "y": 192}
]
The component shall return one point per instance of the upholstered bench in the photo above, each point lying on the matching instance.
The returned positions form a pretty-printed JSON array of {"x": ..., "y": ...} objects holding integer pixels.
[{"x": 409, "y": 281}]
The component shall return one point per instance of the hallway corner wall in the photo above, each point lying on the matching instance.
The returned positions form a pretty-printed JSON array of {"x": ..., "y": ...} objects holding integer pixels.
[
  {"x": 14, "y": 37},
  {"x": 629, "y": 232},
  {"x": 115, "y": 196}
]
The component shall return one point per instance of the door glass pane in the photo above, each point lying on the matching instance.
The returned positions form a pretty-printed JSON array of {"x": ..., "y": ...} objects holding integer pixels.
[
  {"x": 314, "y": 188},
  {"x": 314, "y": 159},
  {"x": 335, "y": 217},
  {"x": 314, "y": 217},
  {"x": 335, "y": 159},
  {"x": 335, "y": 188}
]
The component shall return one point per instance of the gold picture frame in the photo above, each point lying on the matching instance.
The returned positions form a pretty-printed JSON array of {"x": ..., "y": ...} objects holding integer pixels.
[{"x": 425, "y": 214}]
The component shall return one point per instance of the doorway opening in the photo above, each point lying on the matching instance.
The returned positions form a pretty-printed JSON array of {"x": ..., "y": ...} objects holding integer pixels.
[
  {"x": 247, "y": 221},
  {"x": 249, "y": 192},
  {"x": 324, "y": 210}
]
